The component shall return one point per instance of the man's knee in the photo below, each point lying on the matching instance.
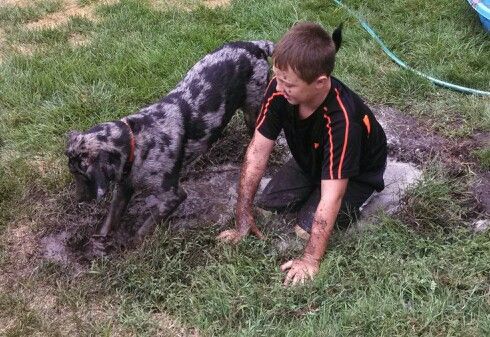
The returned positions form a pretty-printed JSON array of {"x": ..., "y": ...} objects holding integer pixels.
[{"x": 282, "y": 202}]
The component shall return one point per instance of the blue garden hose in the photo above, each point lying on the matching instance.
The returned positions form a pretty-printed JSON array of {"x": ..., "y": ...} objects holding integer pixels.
[{"x": 402, "y": 64}]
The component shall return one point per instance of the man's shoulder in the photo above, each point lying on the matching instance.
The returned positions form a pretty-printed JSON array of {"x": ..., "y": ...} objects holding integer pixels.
[{"x": 344, "y": 101}]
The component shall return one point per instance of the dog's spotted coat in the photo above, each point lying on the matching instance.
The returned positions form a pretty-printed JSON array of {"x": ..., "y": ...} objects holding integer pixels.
[{"x": 169, "y": 133}]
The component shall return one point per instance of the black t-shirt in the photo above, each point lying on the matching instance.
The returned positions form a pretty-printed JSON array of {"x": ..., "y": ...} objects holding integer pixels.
[{"x": 341, "y": 139}]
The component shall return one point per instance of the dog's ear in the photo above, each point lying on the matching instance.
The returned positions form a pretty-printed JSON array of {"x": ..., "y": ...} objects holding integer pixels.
[
  {"x": 70, "y": 139},
  {"x": 72, "y": 135},
  {"x": 337, "y": 37}
]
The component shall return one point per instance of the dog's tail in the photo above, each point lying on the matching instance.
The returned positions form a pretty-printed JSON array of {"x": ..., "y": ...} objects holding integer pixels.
[
  {"x": 266, "y": 46},
  {"x": 337, "y": 37}
]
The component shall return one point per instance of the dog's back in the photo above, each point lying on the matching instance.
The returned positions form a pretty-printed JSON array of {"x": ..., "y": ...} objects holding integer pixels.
[{"x": 232, "y": 77}]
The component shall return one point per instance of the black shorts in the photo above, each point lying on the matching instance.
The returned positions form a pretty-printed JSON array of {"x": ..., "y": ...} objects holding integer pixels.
[{"x": 290, "y": 190}]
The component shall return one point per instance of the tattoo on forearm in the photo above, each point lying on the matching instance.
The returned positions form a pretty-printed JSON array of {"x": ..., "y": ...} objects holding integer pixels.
[{"x": 318, "y": 239}]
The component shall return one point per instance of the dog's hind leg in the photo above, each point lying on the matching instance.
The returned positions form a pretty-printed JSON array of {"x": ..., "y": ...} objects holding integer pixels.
[
  {"x": 161, "y": 207},
  {"x": 250, "y": 114},
  {"x": 120, "y": 198},
  {"x": 255, "y": 92}
]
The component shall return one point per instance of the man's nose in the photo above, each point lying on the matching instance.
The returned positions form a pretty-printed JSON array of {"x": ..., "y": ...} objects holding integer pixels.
[{"x": 279, "y": 87}]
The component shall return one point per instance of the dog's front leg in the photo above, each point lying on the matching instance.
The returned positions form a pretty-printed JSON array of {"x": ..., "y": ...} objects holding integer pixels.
[
  {"x": 161, "y": 207},
  {"x": 120, "y": 198}
]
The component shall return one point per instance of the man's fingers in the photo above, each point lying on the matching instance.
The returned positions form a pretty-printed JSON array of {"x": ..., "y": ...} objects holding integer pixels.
[
  {"x": 311, "y": 273},
  {"x": 228, "y": 236},
  {"x": 289, "y": 277},
  {"x": 286, "y": 265},
  {"x": 298, "y": 278},
  {"x": 224, "y": 235}
]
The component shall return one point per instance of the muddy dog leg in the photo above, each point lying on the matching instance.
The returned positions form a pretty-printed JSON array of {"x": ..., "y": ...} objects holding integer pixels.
[
  {"x": 97, "y": 245},
  {"x": 250, "y": 114},
  {"x": 255, "y": 92},
  {"x": 120, "y": 198},
  {"x": 161, "y": 207}
]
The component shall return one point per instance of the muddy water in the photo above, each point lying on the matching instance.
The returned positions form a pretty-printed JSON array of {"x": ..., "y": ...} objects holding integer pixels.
[
  {"x": 210, "y": 197},
  {"x": 55, "y": 247}
]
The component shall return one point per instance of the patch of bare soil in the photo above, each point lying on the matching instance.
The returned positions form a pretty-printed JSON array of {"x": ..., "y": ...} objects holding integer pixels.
[
  {"x": 25, "y": 49},
  {"x": 167, "y": 326},
  {"x": 70, "y": 9},
  {"x": 18, "y": 3},
  {"x": 188, "y": 5},
  {"x": 77, "y": 40},
  {"x": 216, "y": 3},
  {"x": 2, "y": 44},
  {"x": 409, "y": 140}
]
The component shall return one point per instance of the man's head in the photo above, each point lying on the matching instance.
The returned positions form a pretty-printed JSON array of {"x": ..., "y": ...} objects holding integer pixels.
[{"x": 303, "y": 60}]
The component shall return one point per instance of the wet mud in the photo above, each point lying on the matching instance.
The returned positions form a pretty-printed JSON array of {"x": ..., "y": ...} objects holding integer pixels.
[
  {"x": 211, "y": 186},
  {"x": 411, "y": 141}
]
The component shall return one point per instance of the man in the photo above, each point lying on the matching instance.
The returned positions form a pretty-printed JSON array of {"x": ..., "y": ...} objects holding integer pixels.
[{"x": 339, "y": 149}]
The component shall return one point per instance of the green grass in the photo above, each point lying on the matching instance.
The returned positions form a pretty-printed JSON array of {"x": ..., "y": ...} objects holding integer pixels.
[
  {"x": 390, "y": 281},
  {"x": 419, "y": 272},
  {"x": 483, "y": 156}
]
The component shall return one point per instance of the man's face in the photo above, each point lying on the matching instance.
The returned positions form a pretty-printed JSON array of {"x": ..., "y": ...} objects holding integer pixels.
[{"x": 295, "y": 90}]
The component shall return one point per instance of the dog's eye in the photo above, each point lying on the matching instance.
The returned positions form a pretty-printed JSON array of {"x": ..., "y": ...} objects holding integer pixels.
[{"x": 77, "y": 165}]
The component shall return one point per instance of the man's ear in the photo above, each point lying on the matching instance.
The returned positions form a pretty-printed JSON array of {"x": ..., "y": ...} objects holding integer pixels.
[{"x": 321, "y": 81}]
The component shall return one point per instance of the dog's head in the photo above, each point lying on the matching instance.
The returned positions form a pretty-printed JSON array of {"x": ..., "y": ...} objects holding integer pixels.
[{"x": 94, "y": 162}]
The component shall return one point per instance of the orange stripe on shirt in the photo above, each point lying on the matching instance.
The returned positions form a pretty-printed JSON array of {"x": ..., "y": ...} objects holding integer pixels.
[
  {"x": 329, "y": 128},
  {"x": 367, "y": 123},
  {"x": 262, "y": 106},
  {"x": 346, "y": 134},
  {"x": 261, "y": 118}
]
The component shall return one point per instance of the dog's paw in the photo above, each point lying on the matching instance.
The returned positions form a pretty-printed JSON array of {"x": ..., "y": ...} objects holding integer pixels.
[
  {"x": 135, "y": 242},
  {"x": 96, "y": 247}
]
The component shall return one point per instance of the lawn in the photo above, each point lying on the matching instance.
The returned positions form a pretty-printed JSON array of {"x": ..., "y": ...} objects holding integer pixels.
[{"x": 67, "y": 64}]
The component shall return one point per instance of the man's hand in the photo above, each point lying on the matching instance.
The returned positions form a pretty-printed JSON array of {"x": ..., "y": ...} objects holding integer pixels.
[
  {"x": 300, "y": 270},
  {"x": 252, "y": 171},
  {"x": 235, "y": 236}
]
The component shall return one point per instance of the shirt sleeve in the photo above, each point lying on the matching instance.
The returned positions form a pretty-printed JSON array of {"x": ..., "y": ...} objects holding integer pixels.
[
  {"x": 342, "y": 147},
  {"x": 269, "y": 122}
]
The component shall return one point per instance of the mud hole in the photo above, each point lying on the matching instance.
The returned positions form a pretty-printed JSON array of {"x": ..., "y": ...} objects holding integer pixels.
[
  {"x": 410, "y": 141},
  {"x": 58, "y": 228}
]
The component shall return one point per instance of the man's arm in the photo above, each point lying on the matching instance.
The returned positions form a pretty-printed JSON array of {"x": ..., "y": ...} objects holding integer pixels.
[
  {"x": 253, "y": 168},
  {"x": 332, "y": 192}
]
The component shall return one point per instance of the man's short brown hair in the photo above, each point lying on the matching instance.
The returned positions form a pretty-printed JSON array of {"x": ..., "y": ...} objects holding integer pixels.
[{"x": 307, "y": 49}]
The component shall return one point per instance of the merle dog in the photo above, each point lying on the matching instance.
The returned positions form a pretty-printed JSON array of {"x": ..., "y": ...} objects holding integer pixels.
[{"x": 147, "y": 150}]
